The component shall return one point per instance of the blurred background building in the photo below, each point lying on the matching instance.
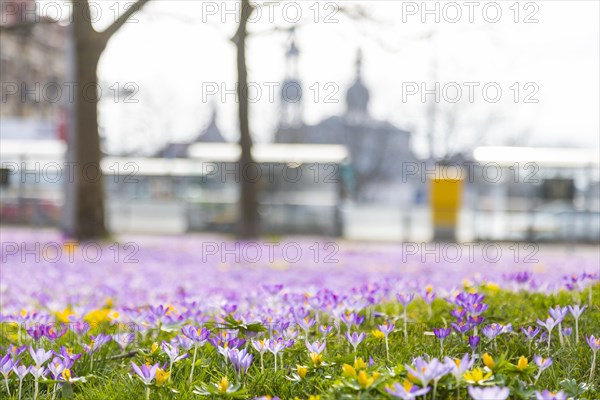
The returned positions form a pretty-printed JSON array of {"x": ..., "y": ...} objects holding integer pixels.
[
  {"x": 33, "y": 73},
  {"x": 343, "y": 175}
]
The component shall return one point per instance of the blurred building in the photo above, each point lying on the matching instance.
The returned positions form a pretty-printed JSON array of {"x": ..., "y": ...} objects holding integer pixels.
[
  {"x": 33, "y": 67},
  {"x": 210, "y": 134},
  {"x": 377, "y": 148}
]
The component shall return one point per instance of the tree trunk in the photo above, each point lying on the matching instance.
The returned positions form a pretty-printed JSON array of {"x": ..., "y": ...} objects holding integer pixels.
[
  {"x": 89, "y": 190},
  {"x": 85, "y": 198},
  {"x": 249, "y": 217}
]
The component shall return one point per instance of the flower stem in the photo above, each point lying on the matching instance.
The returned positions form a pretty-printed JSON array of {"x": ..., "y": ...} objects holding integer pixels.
[
  {"x": 6, "y": 382},
  {"x": 193, "y": 362},
  {"x": 147, "y": 392},
  {"x": 405, "y": 326},
  {"x": 387, "y": 349},
  {"x": 593, "y": 367},
  {"x": 560, "y": 335}
]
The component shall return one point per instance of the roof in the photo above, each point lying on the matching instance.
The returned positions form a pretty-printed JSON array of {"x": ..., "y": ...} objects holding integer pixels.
[
  {"x": 542, "y": 156},
  {"x": 13, "y": 150},
  {"x": 278, "y": 152}
]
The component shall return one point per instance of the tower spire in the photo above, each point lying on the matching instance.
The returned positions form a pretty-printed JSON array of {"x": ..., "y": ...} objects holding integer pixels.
[
  {"x": 291, "y": 91},
  {"x": 357, "y": 96}
]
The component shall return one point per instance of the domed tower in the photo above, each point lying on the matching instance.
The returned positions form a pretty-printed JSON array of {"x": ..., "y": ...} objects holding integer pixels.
[
  {"x": 291, "y": 90},
  {"x": 357, "y": 96}
]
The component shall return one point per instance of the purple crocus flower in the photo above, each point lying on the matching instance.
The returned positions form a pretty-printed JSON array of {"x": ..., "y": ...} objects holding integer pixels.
[
  {"x": 348, "y": 319},
  {"x": 80, "y": 327},
  {"x": 240, "y": 360},
  {"x": 306, "y": 323},
  {"x": 325, "y": 330},
  {"x": 68, "y": 357},
  {"x": 96, "y": 342},
  {"x": 259, "y": 345},
  {"x": 461, "y": 327},
  {"x": 52, "y": 334},
  {"x": 426, "y": 372},
  {"x": 123, "y": 339},
  {"x": 21, "y": 372},
  {"x": 275, "y": 345},
  {"x": 441, "y": 333},
  {"x": 542, "y": 363},
  {"x": 475, "y": 320},
  {"x": 146, "y": 373},
  {"x": 355, "y": 339},
  {"x": 530, "y": 332},
  {"x": 6, "y": 367},
  {"x": 38, "y": 371},
  {"x": 15, "y": 351},
  {"x": 172, "y": 351},
  {"x": 459, "y": 366},
  {"x": 558, "y": 313},
  {"x": 386, "y": 328},
  {"x": 316, "y": 346},
  {"x": 407, "y": 392},
  {"x": 491, "y": 331},
  {"x": 36, "y": 332},
  {"x": 576, "y": 310},
  {"x": 487, "y": 393},
  {"x": 473, "y": 342},
  {"x": 40, "y": 356},
  {"x": 56, "y": 367},
  {"x": 428, "y": 295},
  {"x": 458, "y": 313},
  {"x": 548, "y": 395},
  {"x": 549, "y": 323},
  {"x": 405, "y": 299},
  {"x": 593, "y": 342}
]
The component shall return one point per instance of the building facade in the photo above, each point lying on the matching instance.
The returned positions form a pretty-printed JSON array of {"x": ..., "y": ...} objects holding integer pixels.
[
  {"x": 33, "y": 69},
  {"x": 377, "y": 148}
]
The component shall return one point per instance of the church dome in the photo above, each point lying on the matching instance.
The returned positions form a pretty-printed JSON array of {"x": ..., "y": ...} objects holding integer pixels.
[{"x": 357, "y": 98}]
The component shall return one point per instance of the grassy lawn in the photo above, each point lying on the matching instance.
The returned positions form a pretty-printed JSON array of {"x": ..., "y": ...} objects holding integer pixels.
[{"x": 335, "y": 372}]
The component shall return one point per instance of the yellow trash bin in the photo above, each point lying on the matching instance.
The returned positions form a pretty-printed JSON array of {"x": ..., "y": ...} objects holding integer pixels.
[{"x": 445, "y": 199}]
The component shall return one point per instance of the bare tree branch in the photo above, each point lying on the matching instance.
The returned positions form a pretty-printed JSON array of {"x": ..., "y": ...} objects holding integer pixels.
[{"x": 115, "y": 26}]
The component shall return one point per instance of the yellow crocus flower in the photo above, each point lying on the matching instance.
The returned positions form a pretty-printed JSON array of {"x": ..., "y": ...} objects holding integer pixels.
[
  {"x": 223, "y": 385},
  {"x": 317, "y": 359},
  {"x": 302, "y": 370},
  {"x": 364, "y": 380},
  {"x": 348, "y": 371},
  {"x": 359, "y": 363},
  {"x": 378, "y": 334},
  {"x": 522, "y": 363},
  {"x": 476, "y": 376},
  {"x": 161, "y": 376},
  {"x": 488, "y": 361}
]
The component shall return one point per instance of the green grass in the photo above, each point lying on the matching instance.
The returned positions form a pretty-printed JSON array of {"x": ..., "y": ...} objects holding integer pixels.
[{"x": 112, "y": 378}]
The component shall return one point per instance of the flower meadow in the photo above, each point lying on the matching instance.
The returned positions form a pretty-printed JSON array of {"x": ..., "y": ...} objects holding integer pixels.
[{"x": 165, "y": 321}]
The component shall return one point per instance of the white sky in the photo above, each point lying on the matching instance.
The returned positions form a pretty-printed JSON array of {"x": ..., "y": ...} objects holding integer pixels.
[{"x": 177, "y": 45}]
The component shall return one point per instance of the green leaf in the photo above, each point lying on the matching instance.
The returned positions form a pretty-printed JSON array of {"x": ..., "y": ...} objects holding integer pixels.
[{"x": 67, "y": 391}]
